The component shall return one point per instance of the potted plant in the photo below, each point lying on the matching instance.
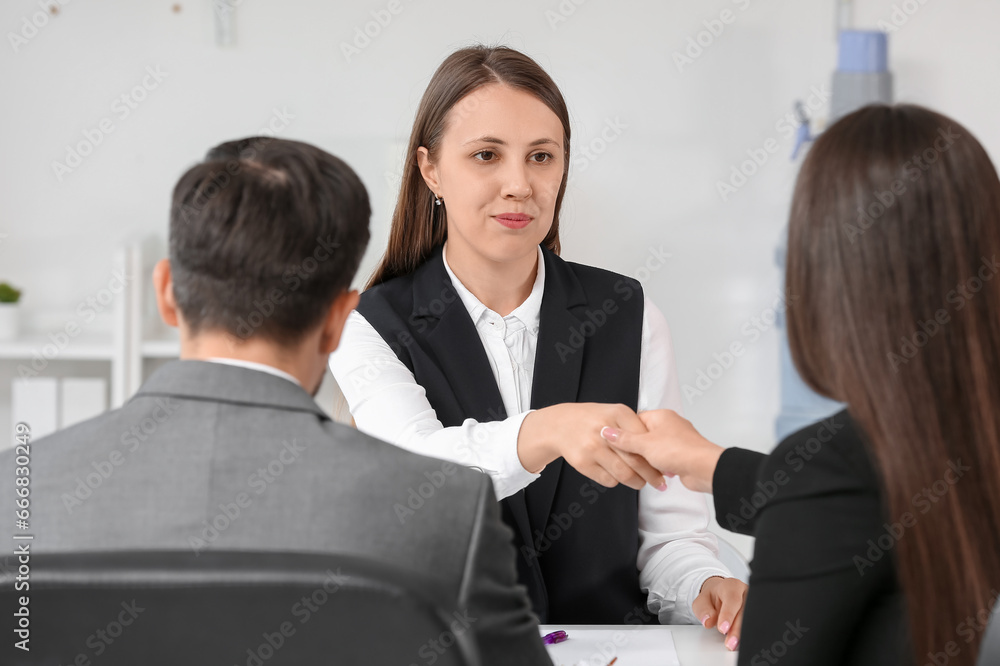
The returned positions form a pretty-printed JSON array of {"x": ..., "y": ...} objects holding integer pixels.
[{"x": 9, "y": 311}]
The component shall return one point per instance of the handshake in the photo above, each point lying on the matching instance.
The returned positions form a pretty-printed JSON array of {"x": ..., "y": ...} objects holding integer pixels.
[{"x": 611, "y": 444}]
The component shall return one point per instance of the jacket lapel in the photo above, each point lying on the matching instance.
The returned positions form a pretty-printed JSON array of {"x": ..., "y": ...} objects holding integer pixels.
[
  {"x": 454, "y": 341},
  {"x": 558, "y": 362}
]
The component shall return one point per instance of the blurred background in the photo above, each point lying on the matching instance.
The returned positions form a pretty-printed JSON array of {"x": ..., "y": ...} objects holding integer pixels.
[{"x": 684, "y": 123}]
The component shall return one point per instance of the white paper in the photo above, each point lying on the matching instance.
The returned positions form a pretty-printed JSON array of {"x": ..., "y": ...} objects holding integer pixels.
[{"x": 632, "y": 646}]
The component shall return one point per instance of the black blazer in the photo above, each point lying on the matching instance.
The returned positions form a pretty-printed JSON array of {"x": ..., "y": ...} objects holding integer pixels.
[
  {"x": 577, "y": 542},
  {"x": 823, "y": 587}
]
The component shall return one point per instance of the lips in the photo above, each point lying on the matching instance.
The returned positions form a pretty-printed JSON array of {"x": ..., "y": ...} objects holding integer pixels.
[{"x": 513, "y": 220}]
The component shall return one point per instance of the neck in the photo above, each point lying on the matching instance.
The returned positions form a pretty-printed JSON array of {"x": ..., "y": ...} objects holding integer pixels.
[
  {"x": 294, "y": 361},
  {"x": 500, "y": 286}
]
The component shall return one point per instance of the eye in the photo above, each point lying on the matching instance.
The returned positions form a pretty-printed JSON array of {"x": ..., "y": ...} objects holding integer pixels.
[
  {"x": 485, "y": 155},
  {"x": 545, "y": 157}
]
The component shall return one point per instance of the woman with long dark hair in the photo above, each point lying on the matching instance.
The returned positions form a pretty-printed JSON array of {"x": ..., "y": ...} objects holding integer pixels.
[
  {"x": 475, "y": 342},
  {"x": 878, "y": 530}
]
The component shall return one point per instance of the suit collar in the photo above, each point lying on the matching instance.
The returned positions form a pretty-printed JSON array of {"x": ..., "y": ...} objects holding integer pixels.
[{"x": 216, "y": 382}]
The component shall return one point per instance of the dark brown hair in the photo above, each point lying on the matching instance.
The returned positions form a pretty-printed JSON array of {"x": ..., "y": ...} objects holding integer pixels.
[
  {"x": 264, "y": 234},
  {"x": 418, "y": 226},
  {"x": 893, "y": 241}
]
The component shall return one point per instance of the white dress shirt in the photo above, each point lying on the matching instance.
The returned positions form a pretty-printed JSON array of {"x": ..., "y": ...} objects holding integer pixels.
[
  {"x": 677, "y": 553},
  {"x": 253, "y": 365}
]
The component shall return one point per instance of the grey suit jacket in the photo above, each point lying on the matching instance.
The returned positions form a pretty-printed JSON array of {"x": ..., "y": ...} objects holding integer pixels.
[{"x": 211, "y": 456}]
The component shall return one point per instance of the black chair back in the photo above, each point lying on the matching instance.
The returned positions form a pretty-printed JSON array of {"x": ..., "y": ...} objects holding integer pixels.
[{"x": 232, "y": 609}]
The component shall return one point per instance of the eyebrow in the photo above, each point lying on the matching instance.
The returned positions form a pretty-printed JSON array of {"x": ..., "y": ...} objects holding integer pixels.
[{"x": 501, "y": 142}]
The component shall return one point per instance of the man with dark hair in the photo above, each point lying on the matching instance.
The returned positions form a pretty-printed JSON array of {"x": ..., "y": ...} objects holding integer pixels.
[{"x": 265, "y": 238}]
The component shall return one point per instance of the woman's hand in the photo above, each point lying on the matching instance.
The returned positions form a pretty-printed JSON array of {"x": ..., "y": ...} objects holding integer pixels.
[
  {"x": 720, "y": 604},
  {"x": 672, "y": 446},
  {"x": 573, "y": 431}
]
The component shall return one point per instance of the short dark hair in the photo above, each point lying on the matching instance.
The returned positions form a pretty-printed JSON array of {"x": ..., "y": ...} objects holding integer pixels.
[{"x": 264, "y": 234}]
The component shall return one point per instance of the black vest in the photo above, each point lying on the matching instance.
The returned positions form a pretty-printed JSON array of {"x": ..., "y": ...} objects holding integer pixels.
[{"x": 576, "y": 540}]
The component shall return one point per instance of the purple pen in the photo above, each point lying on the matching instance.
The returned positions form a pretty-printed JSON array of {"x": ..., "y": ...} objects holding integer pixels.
[{"x": 554, "y": 637}]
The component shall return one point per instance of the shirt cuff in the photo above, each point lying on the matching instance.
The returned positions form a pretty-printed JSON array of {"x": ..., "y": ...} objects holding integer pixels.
[
  {"x": 687, "y": 611},
  {"x": 513, "y": 477}
]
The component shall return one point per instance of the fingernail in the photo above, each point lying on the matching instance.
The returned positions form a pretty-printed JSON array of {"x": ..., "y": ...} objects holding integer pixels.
[
  {"x": 704, "y": 618},
  {"x": 609, "y": 434},
  {"x": 662, "y": 486},
  {"x": 724, "y": 627},
  {"x": 732, "y": 642}
]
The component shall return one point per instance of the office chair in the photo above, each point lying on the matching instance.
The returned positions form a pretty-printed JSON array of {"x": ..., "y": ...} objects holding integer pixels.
[
  {"x": 989, "y": 649},
  {"x": 233, "y": 609}
]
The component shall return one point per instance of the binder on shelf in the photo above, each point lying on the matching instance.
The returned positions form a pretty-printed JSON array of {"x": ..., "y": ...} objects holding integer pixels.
[{"x": 35, "y": 402}]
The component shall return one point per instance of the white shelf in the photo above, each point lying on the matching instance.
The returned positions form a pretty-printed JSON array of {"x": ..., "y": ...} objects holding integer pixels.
[{"x": 84, "y": 347}]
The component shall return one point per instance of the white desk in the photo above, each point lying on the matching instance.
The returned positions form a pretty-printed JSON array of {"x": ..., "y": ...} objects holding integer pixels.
[{"x": 696, "y": 646}]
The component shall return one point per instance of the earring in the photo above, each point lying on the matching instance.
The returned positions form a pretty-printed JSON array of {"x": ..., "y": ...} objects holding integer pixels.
[{"x": 437, "y": 200}]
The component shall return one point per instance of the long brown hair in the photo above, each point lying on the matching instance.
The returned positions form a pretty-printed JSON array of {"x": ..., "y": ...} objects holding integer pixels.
[
  {"x": 894, "y": 234},
  {"x": 418, "y": 226}
]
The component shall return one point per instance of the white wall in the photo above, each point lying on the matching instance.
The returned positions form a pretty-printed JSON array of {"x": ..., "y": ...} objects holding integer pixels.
[{"x": 653, "y": 186}]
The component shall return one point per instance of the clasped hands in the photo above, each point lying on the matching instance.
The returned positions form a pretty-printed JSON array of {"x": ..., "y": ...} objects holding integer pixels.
[{"x": 611, "y": 444}]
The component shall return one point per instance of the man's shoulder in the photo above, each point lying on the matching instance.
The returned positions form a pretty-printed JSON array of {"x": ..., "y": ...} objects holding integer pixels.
[{"x": 406, "y": 467}]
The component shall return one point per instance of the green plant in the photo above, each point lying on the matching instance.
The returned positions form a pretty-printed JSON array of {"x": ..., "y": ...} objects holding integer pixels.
[{"x": 9, "y": 294}]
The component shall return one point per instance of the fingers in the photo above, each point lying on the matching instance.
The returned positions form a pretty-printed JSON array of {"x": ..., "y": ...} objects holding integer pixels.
[
  {"x": 731, "y": 594},
  {"x": 626, "y": 419},
  {"x": 704, "y": 609},
  {"x": 646, "y": 472},
  {"x": 619, "y": 469},
  {"x": 733, "y": 639}
]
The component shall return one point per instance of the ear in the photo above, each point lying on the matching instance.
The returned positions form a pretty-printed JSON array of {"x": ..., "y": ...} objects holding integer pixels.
[
  {"x": 336, "y": 317},
  {"x": 428, "y": 170},
  {"x": 163, "y": 284}
]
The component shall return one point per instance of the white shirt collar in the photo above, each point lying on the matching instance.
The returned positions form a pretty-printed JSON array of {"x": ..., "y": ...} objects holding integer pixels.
[
  {"x": 262, "y": 367},
  {"x": 528, "y": 312}
]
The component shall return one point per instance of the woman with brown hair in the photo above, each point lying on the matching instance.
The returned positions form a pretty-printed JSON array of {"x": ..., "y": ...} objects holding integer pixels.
[
  {"x": 475, "y": 342},
  {"x": 878, "y": 530}
]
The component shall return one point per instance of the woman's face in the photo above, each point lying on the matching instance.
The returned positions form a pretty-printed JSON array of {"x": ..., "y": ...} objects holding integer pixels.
[{"x": 498, "y": 168}]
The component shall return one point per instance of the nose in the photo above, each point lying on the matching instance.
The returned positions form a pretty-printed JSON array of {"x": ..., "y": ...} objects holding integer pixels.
[{"x": 516, "y": 186}]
